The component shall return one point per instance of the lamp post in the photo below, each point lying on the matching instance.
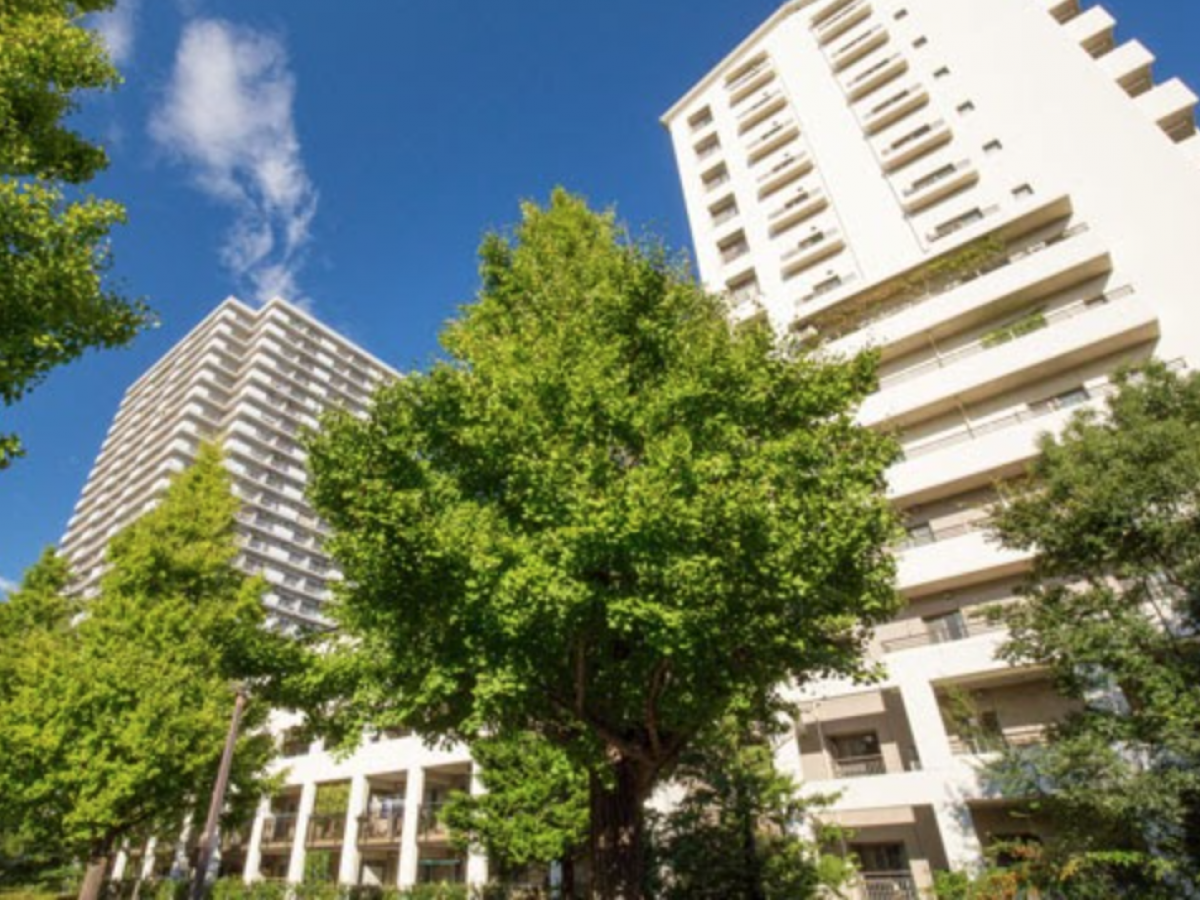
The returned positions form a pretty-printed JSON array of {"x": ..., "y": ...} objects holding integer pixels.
[{"x": 208, "y": 838}]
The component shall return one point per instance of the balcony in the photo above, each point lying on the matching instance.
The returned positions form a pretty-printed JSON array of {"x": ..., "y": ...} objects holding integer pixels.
[
  {"x": 787, "y": 169},
  {"x": 1093, "y": 31},
  {"x": 873, "y": 77},
  {"x": 430, "y": 825},
  {"x": 768, "y": 103},
  {"x": 279, "y": 830},
  {"x": 859, "y": 766},
  {"x": 381, "y": 830},
  {"x": 1131, "y": 66},
  {"x": 1030, "y": 323},
  {"x": 749, "y": 79},
  {"x": 888, "y": 886},
  {"x": 772, "y": 138},
  {"x": 895, "y": 107},
  {"x": 936, "y": 186},
  {"x": 804, "y": 203},
  {"x": 1034, "y": 265},
  {"x": 842, "y": 21},
  {"x": 326, "y": 829},
  {"x": 1005, "y": 710},
  {"x": 1170, "y": 105},
  {"x": 858, "y": 47},
  {"x": 817, "y": 246},
  {"x": 914, "y": 144},
  {"x": 943, "y": 630},
  {"x": 957, "y": 557}
]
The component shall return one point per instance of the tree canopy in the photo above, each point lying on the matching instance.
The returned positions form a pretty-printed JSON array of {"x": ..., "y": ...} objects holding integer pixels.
[
  {"x": 607, "y": 516},
  {"x": 114, "y": 723},
  {"x": 54, "y": 249},
  {"x": 1113, "y": 609}
]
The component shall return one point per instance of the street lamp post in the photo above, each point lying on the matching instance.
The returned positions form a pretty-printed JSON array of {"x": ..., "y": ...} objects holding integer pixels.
[{"x": 208, "y": 838}]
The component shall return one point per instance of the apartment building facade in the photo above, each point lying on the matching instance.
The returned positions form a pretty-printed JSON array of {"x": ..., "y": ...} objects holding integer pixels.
[
  {"x": 254, "y": 378},
  {"x": 999, "y": 198}
]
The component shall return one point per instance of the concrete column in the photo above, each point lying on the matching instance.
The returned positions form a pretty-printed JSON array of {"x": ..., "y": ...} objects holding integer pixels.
[
  {"x": 253, "y": 869},
  {"x": 959, "y": 838},
  {"x": 308, "y": 798},
  {"x": 119, "y": 864},
  {"x": 357, "y": 805},
  {"x": 148, "y": 859},
  {"x": 928, "y": 730},
  {"x": 477, "y": 863},
  {"x": 180, "y": 868},
  {"x": 414, "y": 797}
]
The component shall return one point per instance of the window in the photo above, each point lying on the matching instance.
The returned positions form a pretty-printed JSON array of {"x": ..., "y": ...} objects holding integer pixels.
[
  {"x": 993, "y": 147},
  {"x": 714, "y": 178},
  {"x": 942, "y": 72},
  {"x": 852, "y": 746},
  {"x": 1022, "y": 191},
  {"x": 920, "y": 42},
  {"x": 702, "y": 119},
  {"x": 946, "y": 627},
  {"x": 881, "y": 858},
  {"x": 734, "y": 248},
  {"x": 724, "y": 211},
  {"x": 966, "y": 108},
  {"x": 901, "y": 14}
]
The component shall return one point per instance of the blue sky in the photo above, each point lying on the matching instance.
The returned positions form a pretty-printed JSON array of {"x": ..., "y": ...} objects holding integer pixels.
[{"x": 352, "y": 160}]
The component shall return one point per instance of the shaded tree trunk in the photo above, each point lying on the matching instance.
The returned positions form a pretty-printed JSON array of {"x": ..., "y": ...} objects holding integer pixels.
[
  {"x": 97, "y": 867},
  {"x": 568, "y": 877},
  {"x": 617, "y": 846}
]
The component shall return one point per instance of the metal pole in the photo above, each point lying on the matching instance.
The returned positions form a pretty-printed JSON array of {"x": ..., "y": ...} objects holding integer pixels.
[{"x": 208, "y": 838}]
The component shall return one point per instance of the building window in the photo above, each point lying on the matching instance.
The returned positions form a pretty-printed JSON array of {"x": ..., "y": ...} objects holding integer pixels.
[
  {"x": 1022, "y": 191},
  {"x": 942, "y": 72},
  {"x": 857, "y": 755},
  {"x": 702, "y": 119},
  {"x": 920, "y": 42},
  {"x": 993, "y": 147},
  {"x": 966, "y": 108}
]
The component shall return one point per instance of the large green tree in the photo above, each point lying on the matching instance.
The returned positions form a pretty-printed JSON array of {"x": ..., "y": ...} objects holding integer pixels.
[
  {"x": 1113, "y": 609},
  {"x": 607, "y": 517},
  {"x": 54, "y": 250},
  {"x": 114, "y": 720}
]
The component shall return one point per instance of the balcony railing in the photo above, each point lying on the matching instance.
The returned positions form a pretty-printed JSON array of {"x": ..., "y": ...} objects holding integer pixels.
[
  {"x": 749, "y": 75},
  {"x": 984, "y": 742},
  {"x": 279, "y": 829},
  {"x": 326, "y": 828},
  {"x": 1014, "y": 253},
  {"x": 381, "y": 829},
  {"x": 431, "y": 826},
  {"x": 859, "y": 766},
  {"x": 961, "y": 629},
  {"x": 889, "y": 886},
  {"x": 923, "y": 537},
  {"x": 1001, "y": 336}
]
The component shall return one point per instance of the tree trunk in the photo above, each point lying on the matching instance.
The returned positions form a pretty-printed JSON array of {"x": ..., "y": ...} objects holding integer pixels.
[
  {"x": 568, "y": 877},
  {"x": 618, "y": 862},
  {"x": 97, "y": 867}
]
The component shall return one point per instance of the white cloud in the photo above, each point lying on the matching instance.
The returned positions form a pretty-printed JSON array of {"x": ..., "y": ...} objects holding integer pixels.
[
  {"x": 118, "y": 29},
  {"x": 7, "y": 585},
  {"x": 228, "y": 114}
]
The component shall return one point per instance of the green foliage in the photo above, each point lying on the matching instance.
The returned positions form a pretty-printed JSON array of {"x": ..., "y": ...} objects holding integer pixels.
[
  {"x": 114, "y": 725},
  {"x": 1112, "y": 609},
  {"x": 733, "y": 836},
  {"x": 54, "y": 250},
  {"x": 332, "y": 799},
  {"x": 607, "y": 517},
  {"x": 1027, "y": 323},
  {"x": 534, "y": 808}
]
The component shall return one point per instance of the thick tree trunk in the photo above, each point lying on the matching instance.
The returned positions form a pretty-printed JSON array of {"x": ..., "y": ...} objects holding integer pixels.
[
  {"x": 618, "y": 863},
  {"x": 93, "y": 879},
  {"x": 568, "y": 878}
]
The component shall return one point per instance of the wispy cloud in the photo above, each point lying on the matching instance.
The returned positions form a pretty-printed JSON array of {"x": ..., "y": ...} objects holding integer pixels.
[
  {"x": 228, "y": 114},
  {"x": 118, "y": 29},
  {"x": 7, "y": 585}
]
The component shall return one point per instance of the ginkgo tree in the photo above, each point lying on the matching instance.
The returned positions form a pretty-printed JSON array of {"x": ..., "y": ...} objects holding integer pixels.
[
  {"x": 607, "y": 517},
  {"x": 115, "y": 710}
]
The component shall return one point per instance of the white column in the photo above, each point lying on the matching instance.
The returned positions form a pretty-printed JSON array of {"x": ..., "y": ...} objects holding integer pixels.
[
  {"x": 252, "y": 871},
  {"x": 477, "y": 863},
  {"x": 414, "y": 797},
  {"x": 959, "y": 838},
  {"x": 357, "y": 805},
  {"x": 308, "y": 798},
  {"x": 122, "y": 860},
  {"x": 148, "y": 859},
  {"x": 925, "y": 722}
]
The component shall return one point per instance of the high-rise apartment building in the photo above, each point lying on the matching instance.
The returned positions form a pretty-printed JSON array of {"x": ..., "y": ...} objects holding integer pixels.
[
  {"x": 252, "y": 378},
  {"x": 998, "y": 197}
]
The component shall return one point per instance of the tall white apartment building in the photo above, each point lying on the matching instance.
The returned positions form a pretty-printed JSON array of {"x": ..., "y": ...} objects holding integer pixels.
[
  {"x": 998, "y": 197},
  {"x": 252, "y": 378}
]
